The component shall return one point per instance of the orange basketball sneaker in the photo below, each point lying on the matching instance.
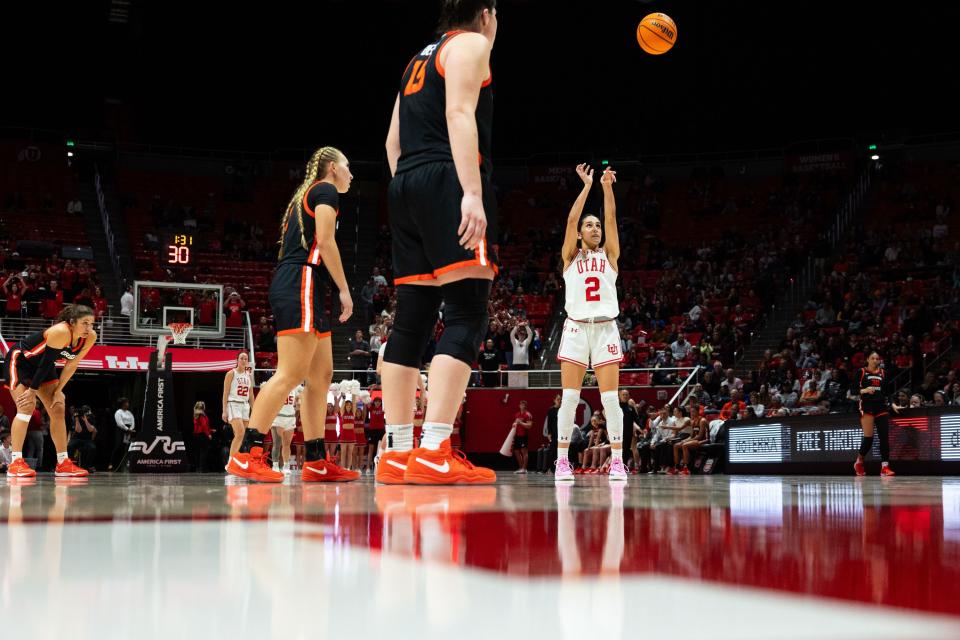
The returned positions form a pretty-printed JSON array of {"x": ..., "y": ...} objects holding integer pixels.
[
  {"x": 20, "y": 469},
  {"x": 392, "y": 467},
  {"x": 326, "y": 471},
  {"x": 251, "y": 467},
  {"x": 445, "y": 466},
  {"x": 67, "y": 469}
]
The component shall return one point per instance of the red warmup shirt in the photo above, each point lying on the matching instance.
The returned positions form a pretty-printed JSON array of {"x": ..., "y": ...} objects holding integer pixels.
[
  {"x": 100, "y": 306},
  {"x": 67, "y": 278},
  {"x": 524, "y": 416},
  {"x": 13, "y": 302},
  {"x": 51, "y": 306},
  {"x": 201, "y": 425},
  {"x": 377, "y": 421},
  {"x": 207, "y": 308},
  {"x": 234, "y": 319}
]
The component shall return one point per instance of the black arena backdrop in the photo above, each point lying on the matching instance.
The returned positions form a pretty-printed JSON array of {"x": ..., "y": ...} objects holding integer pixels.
[{"x": 922, "y": 441}]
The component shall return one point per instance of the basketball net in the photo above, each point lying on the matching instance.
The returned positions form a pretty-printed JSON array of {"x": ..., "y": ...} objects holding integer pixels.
[{"x": 179, "y": 331}]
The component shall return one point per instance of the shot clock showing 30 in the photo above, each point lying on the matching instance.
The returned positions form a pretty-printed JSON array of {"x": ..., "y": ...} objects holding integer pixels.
[{"x": 177, "y": 249}]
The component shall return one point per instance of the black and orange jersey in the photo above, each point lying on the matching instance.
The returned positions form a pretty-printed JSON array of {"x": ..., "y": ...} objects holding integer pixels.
[
  {"x": 865, "y": 378},
  {"x": 31, "y": 347},
  {"x": 423, "y": 112},
  {"x": 292, "y": 251}
]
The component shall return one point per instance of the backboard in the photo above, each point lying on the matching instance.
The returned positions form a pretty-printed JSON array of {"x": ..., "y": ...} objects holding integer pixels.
[{"x": 157, "y": 304}]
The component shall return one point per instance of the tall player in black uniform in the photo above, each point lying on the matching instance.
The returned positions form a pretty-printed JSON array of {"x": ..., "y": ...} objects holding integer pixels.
[
  {"x": 303, "y": 332},
  {"x": 31, "y": 372},
  {"x": 443, "y": 221},
  {"x": 873, "y": 412}
]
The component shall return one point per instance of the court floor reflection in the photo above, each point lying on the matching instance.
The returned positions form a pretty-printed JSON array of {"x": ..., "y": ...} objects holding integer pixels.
[{"x": 201, "y": 555}]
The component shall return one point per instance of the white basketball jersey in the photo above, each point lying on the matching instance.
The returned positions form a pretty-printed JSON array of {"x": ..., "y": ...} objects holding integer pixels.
[
  {"x": 240, "y": 387},
  {"x": 591, "y": 287},
  {"x": 289, "y": 408}
]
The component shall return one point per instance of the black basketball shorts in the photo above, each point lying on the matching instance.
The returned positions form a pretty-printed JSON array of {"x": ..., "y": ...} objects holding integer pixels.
[
  {"x": 18, "y": 369},
  {"x": 424, "y": 218},
  {"x": 296, "y": 298}
]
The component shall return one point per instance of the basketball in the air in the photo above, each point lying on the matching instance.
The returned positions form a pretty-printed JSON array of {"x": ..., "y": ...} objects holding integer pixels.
[{"x": 657, "y": 33}]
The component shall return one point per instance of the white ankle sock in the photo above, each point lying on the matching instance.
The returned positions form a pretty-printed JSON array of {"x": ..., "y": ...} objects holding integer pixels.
[
  {"x": 434, "y": 433},
  {"x": 15, "y": 455},
  {"x": 563, "y": 452},
  {"x": 399, "y": 437},
  {"x": 61, "y": 457}
]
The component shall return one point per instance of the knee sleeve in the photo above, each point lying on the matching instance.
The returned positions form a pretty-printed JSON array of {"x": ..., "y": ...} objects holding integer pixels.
[
  {"x": 614, "y": 414},
  {"x": 464, "y": 318},
  {"x": 413, "y": 324},
  {"x": 566, "y": 415}
]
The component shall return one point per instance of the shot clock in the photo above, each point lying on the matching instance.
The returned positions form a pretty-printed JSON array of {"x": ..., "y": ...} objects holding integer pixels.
[{"x": 176, "y": 249}]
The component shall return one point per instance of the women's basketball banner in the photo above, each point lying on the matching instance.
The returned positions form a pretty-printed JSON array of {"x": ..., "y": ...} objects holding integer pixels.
[{"x": 833, "y": 162}]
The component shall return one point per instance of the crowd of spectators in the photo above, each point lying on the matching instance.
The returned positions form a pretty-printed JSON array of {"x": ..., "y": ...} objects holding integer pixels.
[
  {"x": 39, "y": 287},
  {"x": 895, "y": 290}
]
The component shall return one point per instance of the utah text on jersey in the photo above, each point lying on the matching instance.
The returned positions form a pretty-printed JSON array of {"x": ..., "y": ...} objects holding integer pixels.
[{"x": 591, "y": 262}]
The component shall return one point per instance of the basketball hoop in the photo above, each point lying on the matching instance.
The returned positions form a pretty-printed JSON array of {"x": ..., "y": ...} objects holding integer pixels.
[{"x": 180, "y": 331}]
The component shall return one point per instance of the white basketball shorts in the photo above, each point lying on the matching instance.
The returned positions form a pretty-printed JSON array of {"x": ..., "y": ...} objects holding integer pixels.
[
  {"x": 238, "y": 410},
  {"x": 590, "y": 345},
  {"x": 286, "y": 423}
]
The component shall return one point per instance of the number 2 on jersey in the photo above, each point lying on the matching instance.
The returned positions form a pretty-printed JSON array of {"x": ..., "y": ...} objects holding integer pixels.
[
  {"x": 416, "y": 78},
  {"x": 593, "y": 289},
  {"x": 242, "y": 391}
]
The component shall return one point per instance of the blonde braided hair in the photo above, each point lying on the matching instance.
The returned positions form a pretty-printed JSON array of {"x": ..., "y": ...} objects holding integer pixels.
[{"x": 317, "y": 168}]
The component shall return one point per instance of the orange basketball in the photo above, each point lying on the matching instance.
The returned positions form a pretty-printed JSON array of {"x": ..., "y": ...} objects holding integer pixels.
[{"x": 657, "y": 33}]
